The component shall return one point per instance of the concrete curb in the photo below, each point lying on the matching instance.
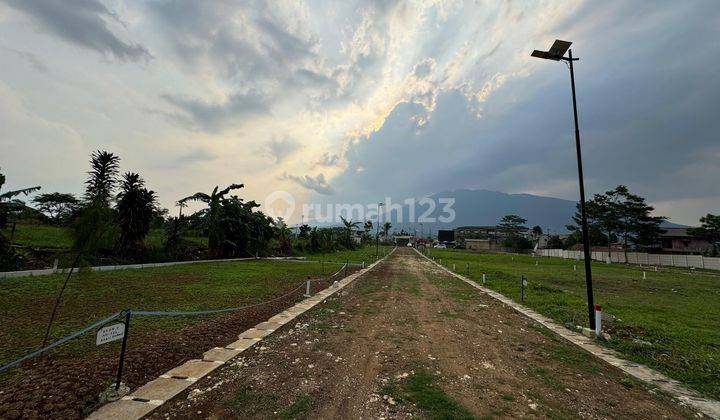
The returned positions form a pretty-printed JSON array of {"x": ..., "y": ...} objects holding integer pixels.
[
  {"x": 155, "y": 393},
  {"x": 685, "y": 396}
]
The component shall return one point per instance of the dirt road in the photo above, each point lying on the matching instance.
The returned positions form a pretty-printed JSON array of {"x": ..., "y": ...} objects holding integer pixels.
[{"x": 407, "y": 340}]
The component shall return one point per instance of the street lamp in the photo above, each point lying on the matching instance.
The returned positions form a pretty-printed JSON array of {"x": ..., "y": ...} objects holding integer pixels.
[
  {"x": 377, "y": 230},
  {"x": 557, "y": 53}
]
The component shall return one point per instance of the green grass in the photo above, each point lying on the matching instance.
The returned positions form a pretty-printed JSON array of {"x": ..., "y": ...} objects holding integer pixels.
[
  {"x": 422, "y": 390},
  {"x": 26, "y": 303},
  {"x": 365, "y": 253},
  {"x": 673, "y": 309},
  {"x": 60, "y": 237},
  {"x": 298, "y": 409},
  {"x": 41, "y": 236}
]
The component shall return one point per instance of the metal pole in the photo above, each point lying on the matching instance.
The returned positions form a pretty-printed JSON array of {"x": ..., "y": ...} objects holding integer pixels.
[
  {"x": 123, "y": 347},
  {"x": 583, "y": 215},
  {"x": 377, "y": 232}
]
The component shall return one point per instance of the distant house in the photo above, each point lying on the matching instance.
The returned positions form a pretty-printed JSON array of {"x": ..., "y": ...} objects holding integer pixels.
[
  {"x": 679, "y": 241},
  {"x": 478, "y": 237},
  {"x": 482, "y": 244}
]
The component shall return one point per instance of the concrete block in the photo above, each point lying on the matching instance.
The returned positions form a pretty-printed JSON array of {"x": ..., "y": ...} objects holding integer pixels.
[
  {"x": 161, "y": 388},
  {"x": 192, "y": 369},
  {"x": 269, "y": 326},
  {"x": 219, "y": 354},
  {"x": 254, "y": 333},
  {"x": 282, "y": 318},
  {"x": 242, "y": 344},
  {"x": 123, "y": 410}
]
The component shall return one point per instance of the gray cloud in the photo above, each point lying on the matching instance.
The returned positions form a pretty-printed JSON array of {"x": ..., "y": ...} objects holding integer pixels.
[
  {"x": 33, "y": 60},
  {"x": 281, "y": 149},
  {"x": 215, "y": 116},
  {"x": 83, "y": 23},
  {"x": 327, "y": 159},
  {"x": 318, "y": 183}
]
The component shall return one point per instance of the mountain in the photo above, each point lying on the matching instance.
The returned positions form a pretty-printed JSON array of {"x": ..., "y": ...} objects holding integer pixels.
[{"x": 483, "y": 207}]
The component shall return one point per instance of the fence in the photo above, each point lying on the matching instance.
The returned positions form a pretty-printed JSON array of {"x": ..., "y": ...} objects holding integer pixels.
[
  {"x": 48, "y": 271},
  {"x": 643, "y": 258},
  {"x": 136, "y": 313}
]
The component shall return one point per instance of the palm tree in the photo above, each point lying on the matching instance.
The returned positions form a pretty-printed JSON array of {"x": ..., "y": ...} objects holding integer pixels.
[
  {"x": 136, "y": 208},
  {"x": 103, "y": 178},
  {"x": 386, "y": 229},
  {"x": 212, "y": 217},
  {"x": 8, "y": 200},
  {"x": 349, "y": 226}
]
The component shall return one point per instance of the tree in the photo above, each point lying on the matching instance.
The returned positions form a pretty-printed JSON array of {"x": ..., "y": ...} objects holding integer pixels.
[
  {"x": 555, "y": 242},
  {"x": 710, "y": 230},
  {"x": 104, "y": 169},
  {"x": 57, "y": 206},
  {"x": 174, "y": 229},
  {"x": 386, "y": 229},
  {"x": 304, "y": 231},
  {"x": 511, "y": 226},
  {"x": 212, "y": 216},
  {"x": 632, "y": 218},
  {"x": 8, "y": 202},
  {"x": 536, "y": 232},
  {"x": 350, "y": 226},
  {"x": 598, "y": 221},
  {"x": 283, "y": 234},
  {"x": 94, "y": 229},
  {"x": 135, "y": 211}
]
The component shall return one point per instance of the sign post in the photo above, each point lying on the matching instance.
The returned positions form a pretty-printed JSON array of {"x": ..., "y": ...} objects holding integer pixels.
[{"x": 123, "y": 347}]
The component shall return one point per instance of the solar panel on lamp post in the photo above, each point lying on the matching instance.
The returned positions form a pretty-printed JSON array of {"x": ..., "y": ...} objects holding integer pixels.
[{"x": 557, "y": 53}]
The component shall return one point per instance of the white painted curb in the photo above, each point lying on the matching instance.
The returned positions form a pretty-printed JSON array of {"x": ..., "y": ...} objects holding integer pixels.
[{"x": 686, "y": 396}]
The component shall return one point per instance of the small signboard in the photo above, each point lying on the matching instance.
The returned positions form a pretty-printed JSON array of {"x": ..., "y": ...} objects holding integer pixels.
[
  {"x": 524, "y": 282},
  {"x": 110, "y": 333}
]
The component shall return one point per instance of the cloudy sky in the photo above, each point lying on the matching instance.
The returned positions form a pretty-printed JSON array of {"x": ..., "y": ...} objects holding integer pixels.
[{"x": 353, "y": 101}]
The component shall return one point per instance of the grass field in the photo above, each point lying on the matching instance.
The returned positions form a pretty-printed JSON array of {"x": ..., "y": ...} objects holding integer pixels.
[
  {"x": 673, "y": 309},
  {"x": 366, "y": 254},
  {"x": 26, "y": 303},
  {"x": 60, "y": 237}
]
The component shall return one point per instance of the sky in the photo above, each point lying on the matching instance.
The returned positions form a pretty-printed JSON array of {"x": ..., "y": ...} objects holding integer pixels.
[{"x": 353, "y": 101}]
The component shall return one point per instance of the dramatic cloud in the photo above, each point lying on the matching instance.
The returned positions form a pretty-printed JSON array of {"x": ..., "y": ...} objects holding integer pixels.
[
  {"x": 317, "y": 183},
  {"x": 367, "y": 99},
  {"x": 83, "y": 23}
]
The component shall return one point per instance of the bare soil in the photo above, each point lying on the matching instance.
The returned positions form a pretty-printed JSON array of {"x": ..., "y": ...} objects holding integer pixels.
[
  {"x": 66, "y": 386},
  {"x": 348, "y": 357}
]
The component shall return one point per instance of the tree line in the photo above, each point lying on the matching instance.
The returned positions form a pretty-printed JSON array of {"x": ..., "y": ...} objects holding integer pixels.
[{"x": 115, "y": 214}]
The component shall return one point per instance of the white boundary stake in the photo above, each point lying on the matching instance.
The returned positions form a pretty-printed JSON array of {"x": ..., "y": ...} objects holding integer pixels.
[
  {"x": 598, "y": 320},
  {"x": 685, "y": 396},
  {"x": 155, "y": 393}
]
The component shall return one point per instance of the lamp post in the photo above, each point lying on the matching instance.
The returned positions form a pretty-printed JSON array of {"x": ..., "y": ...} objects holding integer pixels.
[
  {"x": 377, "y": 230},
  {"x": 557, "y": 53}
]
